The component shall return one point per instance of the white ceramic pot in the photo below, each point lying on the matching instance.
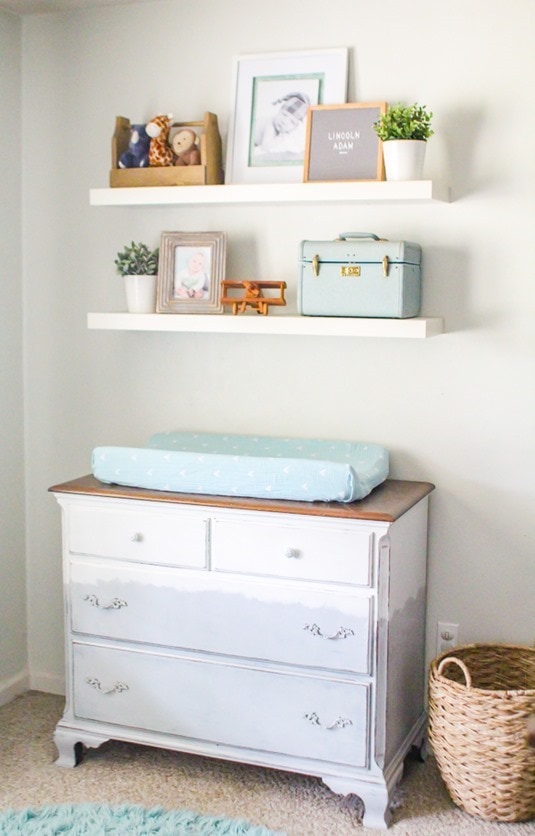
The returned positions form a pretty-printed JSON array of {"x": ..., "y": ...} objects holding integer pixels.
[
  {"x": 404, "y": 158},
  {"x": 140, "y": 293}
]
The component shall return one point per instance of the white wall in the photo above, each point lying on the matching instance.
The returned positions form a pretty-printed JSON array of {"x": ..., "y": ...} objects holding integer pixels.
[
  {"x": 13, "y": 651},
  {"x": 456, "y": 410}
]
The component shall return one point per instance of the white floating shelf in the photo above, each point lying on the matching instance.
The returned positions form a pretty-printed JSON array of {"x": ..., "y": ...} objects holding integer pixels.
[
  {"x": 360, "y": 191},
  {"x": 315, "y": 326}
]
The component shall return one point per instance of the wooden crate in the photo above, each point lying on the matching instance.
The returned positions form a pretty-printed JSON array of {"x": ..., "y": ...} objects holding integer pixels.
[{"x": 209, "y": 172}]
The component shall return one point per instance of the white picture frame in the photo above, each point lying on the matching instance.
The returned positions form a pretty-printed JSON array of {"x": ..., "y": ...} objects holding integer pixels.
[{"x": 271, "y": 93}]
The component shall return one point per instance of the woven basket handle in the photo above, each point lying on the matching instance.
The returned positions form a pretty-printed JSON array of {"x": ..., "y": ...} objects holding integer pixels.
[{"x": 448, "y": 660}]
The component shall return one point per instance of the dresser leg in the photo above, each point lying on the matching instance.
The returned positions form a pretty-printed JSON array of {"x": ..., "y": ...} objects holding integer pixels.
[
  {"x": 420, "y": 749},
  {"x": 71, "y": 745},
  {"x": 377, "y": 812},
  {"x": 376, "y": 799}
]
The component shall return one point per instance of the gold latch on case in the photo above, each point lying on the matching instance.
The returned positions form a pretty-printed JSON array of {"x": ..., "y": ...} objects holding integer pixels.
[
  {"x": 316, "y": 265},
  {"x": 386, "y": 264},
  {"x": 350, "y": 270}
]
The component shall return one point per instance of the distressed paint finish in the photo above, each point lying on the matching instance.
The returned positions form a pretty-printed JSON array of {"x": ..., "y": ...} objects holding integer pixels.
[
  {"x": 258, "y": 634},
  {"x": 203, "y": 698},
  {"x": 222, "y": 614}
]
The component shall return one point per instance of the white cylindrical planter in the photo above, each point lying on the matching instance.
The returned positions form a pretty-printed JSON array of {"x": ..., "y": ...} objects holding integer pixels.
[
  {"x": 404, "y": 158},
  {"x": 140, "y": 294}
]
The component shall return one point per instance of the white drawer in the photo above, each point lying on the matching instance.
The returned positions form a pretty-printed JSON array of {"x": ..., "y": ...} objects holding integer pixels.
[
  {"x": 315, "y": 550},
  {"x": 220, "y": 614},
  {"x": 268, "y": 710},
  {"x": 131, "y": 532}
]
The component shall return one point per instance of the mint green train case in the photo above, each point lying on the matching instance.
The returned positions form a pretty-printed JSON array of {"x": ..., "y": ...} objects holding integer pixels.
[{"x": 359, "y": 274}]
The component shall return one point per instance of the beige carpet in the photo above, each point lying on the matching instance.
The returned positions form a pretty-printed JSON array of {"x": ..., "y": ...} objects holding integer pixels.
[{"x": 123, "y": 773}]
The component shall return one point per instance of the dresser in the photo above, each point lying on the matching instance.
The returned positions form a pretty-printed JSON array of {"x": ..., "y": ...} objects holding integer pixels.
[{"x": 281, "y": 634}]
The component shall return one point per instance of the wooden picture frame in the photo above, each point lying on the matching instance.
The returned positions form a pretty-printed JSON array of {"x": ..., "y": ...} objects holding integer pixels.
[
  {"x": 190, "y": 270},
  {"x": 341, "y": 143},
  {"x": 265, "y": 144}
]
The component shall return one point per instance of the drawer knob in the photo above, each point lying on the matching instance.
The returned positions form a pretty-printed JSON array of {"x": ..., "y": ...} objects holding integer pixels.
[
  {"x": 292, "y": 553},
  {"x": 137, "y": 537},
  {"x": 115, "y": 603},
  {"x": 339, "y": 723},
  {"x": 341, "y": 633},
  {"x": 115, "y": 689}
]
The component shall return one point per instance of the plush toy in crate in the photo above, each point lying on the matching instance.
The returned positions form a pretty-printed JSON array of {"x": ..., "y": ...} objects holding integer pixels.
[
  {"x": 160, "y": 152},
  {"x": 137, "y": 155},
  {"x": 185, "y": 144}
]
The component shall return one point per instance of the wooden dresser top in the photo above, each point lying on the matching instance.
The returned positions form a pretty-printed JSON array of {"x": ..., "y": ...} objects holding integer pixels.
[{"x": 386, "y": 503}]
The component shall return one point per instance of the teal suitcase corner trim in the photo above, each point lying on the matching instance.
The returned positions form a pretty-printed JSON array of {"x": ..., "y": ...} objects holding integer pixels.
[{"x": 360, "y": 275}]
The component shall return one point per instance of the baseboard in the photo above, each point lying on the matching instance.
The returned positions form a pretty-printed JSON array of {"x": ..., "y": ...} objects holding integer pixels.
[
  {"x": 47, "y": 683},
  {"x": 14, "y": 686}
]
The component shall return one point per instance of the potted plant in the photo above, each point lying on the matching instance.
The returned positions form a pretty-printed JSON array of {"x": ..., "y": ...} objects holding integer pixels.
[
  {"x": 139, "y": 266},
  {"x": 404, "y": 131}
]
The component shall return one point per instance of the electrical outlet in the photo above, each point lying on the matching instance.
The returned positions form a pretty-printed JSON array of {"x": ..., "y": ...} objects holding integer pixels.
[{"x": 447, "y": 636}]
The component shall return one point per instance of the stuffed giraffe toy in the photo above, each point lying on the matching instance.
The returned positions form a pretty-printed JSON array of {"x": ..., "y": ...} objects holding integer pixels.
[{"x": 160, "y": 152}]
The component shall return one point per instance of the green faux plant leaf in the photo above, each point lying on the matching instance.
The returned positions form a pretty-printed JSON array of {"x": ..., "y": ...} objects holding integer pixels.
[
  {"x": 404, "y": 122},
  {"x": 137, "y": 260}
]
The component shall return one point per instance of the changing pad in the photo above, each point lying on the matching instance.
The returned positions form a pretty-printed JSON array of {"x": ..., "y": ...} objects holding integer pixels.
[{"x": 242, "y": 465}]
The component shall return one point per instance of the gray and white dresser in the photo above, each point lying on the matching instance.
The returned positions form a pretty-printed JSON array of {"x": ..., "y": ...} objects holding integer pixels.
[{"x": 277, "y": 633}]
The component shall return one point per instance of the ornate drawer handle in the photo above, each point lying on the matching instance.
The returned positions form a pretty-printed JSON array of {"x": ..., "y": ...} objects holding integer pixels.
[
  {"x": 116, "y": 689},
  {"x": 115, "y": 603},
  {"x": 136, "y": 537},
  {"x": 339, "y": 723},
  {"x": 341, "y": 633}
]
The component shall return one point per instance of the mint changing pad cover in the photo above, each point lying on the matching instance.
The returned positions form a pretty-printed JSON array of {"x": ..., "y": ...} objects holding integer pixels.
[{"x": 246, "y": 465}]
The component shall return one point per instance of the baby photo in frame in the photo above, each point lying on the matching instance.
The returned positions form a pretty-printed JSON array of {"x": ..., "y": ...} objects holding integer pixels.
[
  {"x": 271, "y": 94},
  {"x": 191, "y": 267}
]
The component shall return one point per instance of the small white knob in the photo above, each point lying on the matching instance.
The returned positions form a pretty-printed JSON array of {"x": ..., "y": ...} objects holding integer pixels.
[
  {"x": 137, "y": 537},
  {"x": 293, "y": 553}
]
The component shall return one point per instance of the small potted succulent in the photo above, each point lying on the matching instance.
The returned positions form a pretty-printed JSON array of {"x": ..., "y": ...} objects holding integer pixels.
[
  {"x": 139, "y": 266},
  {"x": 404, "y": 131}
]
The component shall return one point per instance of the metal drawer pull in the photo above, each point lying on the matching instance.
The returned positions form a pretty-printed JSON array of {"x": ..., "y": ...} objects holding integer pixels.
[
  {"x": 341, "y": 633},
  {"x": 115, "y": 603},
  {"x": 295, "y": 553},
  {"x": 339, "y": 723},
  {"x": 137, "y": 537},
  {"x": 116, "y": 689}
]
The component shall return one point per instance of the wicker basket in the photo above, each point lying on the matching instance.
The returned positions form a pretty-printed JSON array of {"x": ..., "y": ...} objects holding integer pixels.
[{"x": 480, "y": 697}]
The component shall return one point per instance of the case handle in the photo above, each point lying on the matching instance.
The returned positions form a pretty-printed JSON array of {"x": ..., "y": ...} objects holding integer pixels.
[{"x": 343, "y": 236}]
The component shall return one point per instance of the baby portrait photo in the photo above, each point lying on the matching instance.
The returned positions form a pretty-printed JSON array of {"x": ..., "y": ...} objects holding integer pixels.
[
  {"x": 192, "y": 273},
  {"x": 278, "y": 118}
]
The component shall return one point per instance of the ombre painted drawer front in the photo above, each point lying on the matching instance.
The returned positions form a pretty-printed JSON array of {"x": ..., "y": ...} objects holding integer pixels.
[
  {"x": 288, "y": 622},
  {"x": 130, "y": 531},
  {"x": 269, "y": 710},
  {"x": 318, "y": 551}
]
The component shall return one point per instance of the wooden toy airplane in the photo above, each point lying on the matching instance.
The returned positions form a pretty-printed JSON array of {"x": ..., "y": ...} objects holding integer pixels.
[{"x": 252, "y": 296}]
